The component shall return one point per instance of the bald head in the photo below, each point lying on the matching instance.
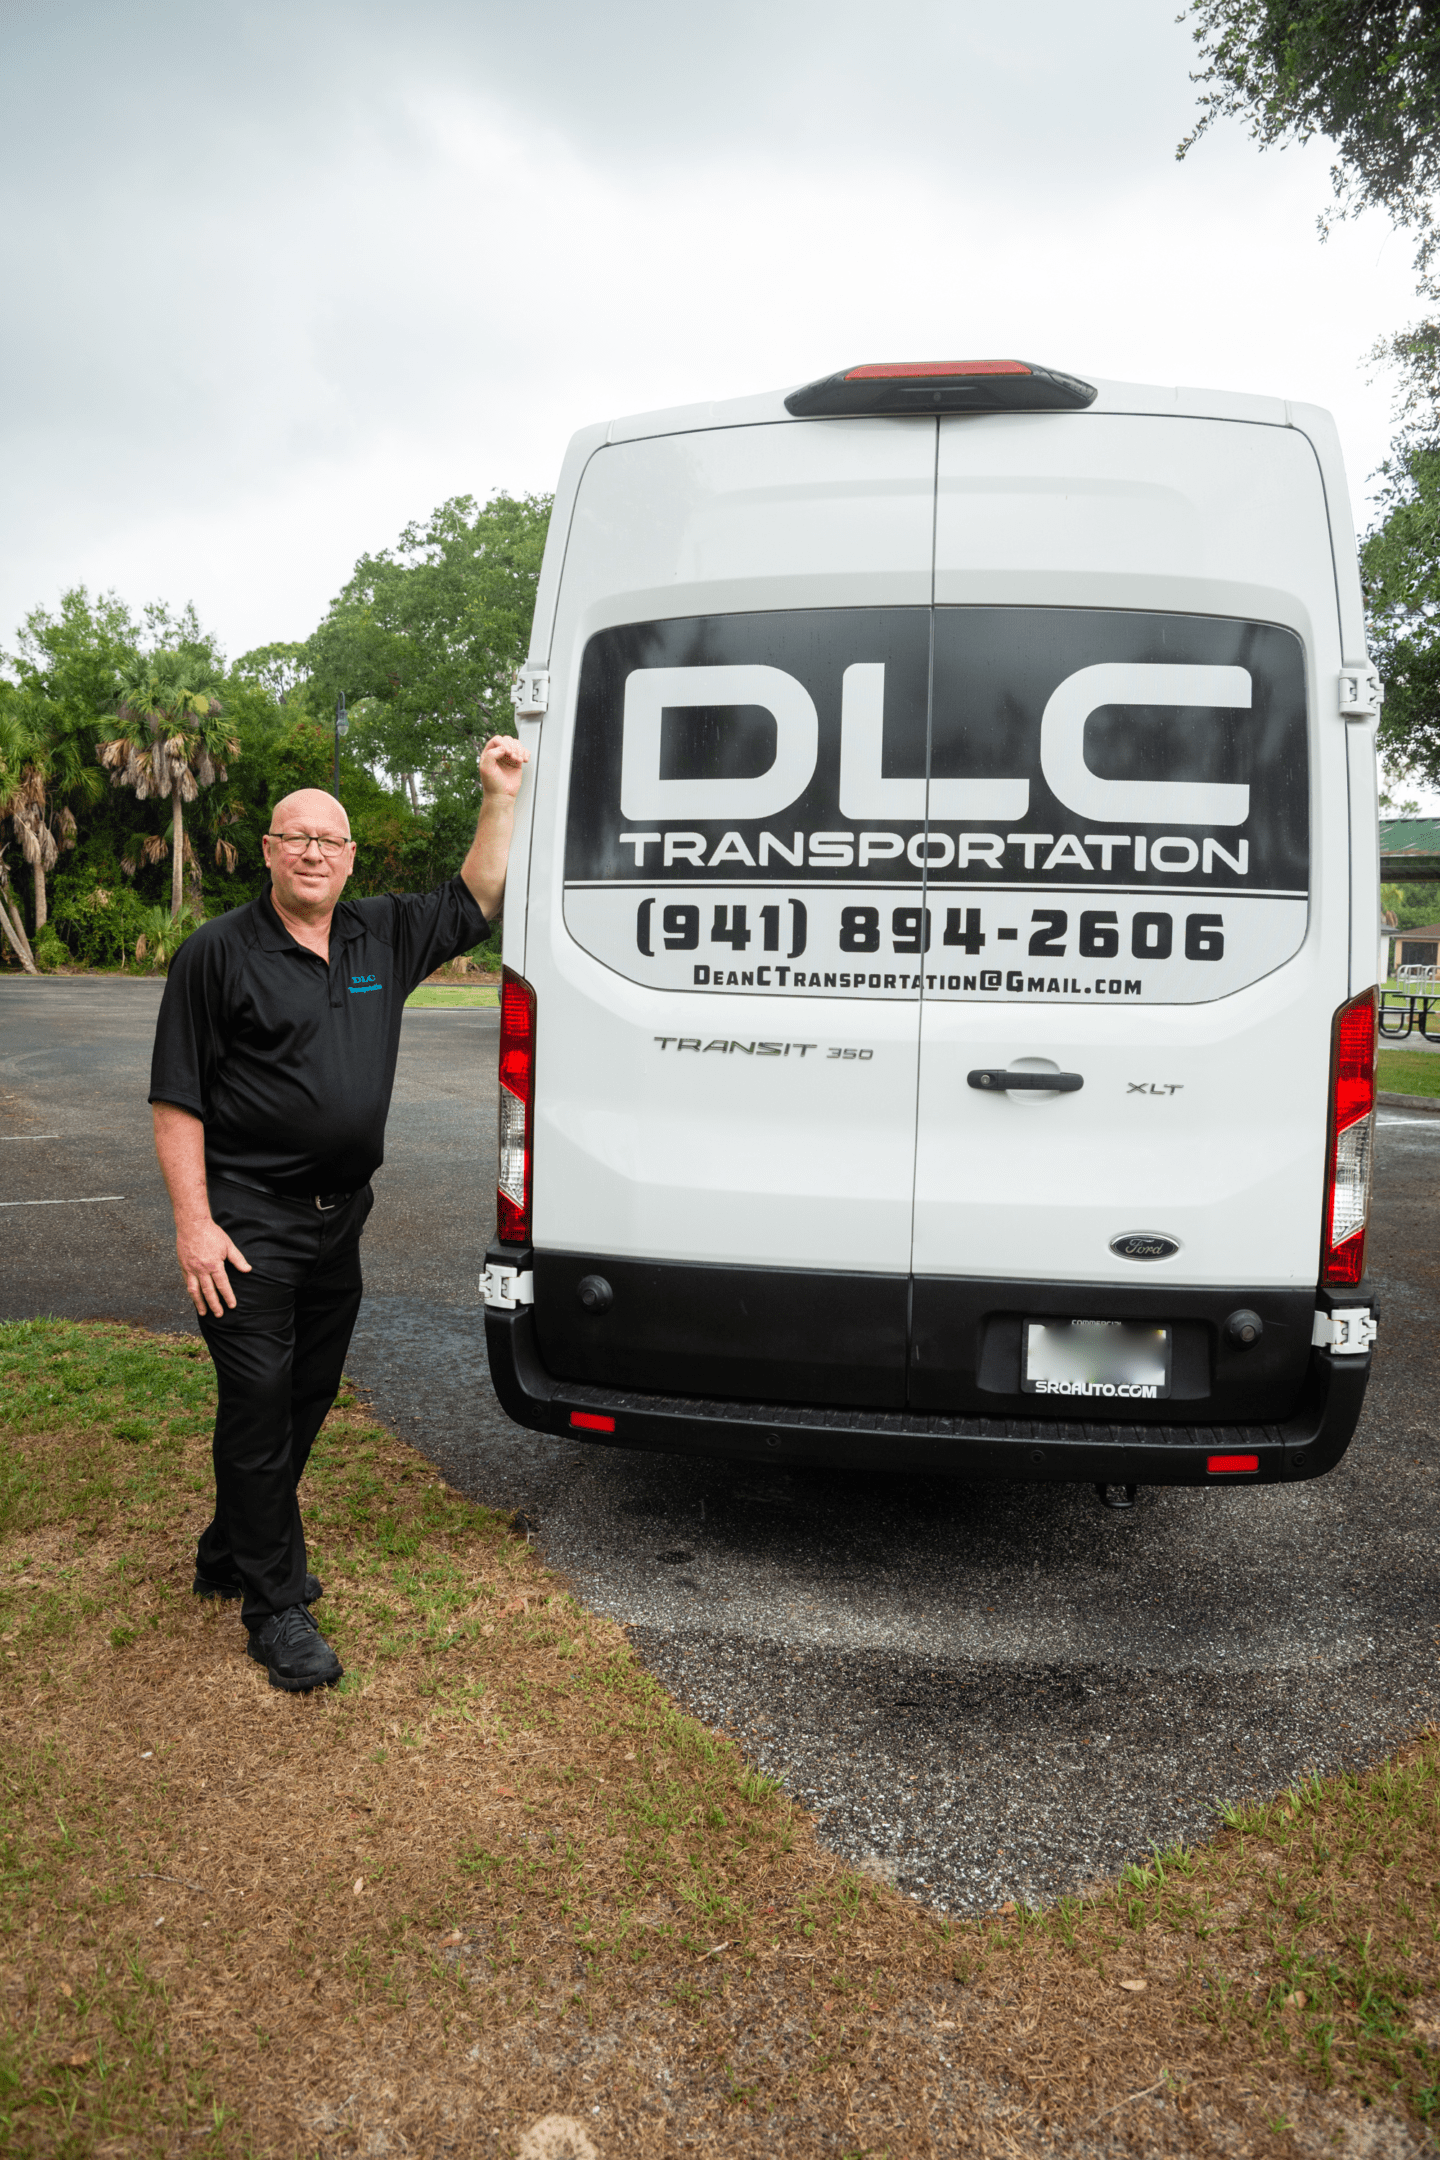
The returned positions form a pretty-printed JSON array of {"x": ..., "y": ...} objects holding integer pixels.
[
  {"x": 310, "y": 809},
  {"x": 306, "y": 880}
]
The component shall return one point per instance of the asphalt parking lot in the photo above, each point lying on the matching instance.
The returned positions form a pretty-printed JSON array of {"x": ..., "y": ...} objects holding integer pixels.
[{"x": 990, "y": 1691}]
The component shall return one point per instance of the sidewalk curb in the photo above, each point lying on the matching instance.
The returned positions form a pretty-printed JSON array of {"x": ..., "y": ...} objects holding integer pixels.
[{"x": 1411, "y": 1102}]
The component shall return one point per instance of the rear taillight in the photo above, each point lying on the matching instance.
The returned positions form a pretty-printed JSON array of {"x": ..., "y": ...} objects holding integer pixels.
[
  {"x": 517, "y": 1109},
  {"x": 1351, "y": 1146}
]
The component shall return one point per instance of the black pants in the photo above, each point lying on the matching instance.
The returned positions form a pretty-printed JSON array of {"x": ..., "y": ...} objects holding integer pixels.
[{"x": 279, "y": 1357}]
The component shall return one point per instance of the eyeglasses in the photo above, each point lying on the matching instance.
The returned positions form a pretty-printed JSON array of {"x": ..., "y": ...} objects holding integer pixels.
[{"x": 296, "y": 843}]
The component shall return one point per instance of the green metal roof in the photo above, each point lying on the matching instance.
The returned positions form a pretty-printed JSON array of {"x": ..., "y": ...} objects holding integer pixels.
[
  {"x": 1409, "y": 836},
  {"x": 1409, "y": 851}
]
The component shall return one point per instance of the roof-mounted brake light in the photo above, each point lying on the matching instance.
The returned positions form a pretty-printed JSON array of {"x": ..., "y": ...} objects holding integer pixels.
[
  {"x": 906, "y": 370},
  {"x": 931, "y": 386}
]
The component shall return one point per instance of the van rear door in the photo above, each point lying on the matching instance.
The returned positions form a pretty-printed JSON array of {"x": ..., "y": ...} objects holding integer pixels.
[
  {"x": 1132, "y": 615},
  {"x": 725, "y": 1068}
]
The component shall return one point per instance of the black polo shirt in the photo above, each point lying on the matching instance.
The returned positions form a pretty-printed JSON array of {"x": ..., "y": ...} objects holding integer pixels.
[{"x": 290, "y": 1063}]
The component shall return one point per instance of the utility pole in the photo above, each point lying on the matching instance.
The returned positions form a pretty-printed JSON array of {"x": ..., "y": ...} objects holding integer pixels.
[{"x": 342, "y": 727}]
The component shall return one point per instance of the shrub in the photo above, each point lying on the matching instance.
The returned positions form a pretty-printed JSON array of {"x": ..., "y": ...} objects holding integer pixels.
[
  {"x": 50, "y": 949},
  {"x": 100, "y": 926},
  {"x": 162, "y": 935}
]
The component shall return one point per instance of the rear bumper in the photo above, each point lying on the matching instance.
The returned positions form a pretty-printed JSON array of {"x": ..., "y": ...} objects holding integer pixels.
[{"x": 1306, "y": 1443}]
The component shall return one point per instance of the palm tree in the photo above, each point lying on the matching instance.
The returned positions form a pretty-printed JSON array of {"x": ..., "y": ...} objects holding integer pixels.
[
  {"x": 14, "y": 743},
  {"x": 170, "y": 743},
  {"x": 43, "y": 758}
]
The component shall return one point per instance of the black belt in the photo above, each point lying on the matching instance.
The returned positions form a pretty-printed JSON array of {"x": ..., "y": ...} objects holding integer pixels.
[{"x": 324, "y": 1201}]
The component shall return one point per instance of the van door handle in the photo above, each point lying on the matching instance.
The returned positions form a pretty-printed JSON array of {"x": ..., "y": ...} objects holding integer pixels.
[{"x": 993, "y": 1076}]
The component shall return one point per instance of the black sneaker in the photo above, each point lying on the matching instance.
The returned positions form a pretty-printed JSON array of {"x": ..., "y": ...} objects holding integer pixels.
[
  {"x": 296, "y": 1654},
  {"x": 204, "y": 1587}
]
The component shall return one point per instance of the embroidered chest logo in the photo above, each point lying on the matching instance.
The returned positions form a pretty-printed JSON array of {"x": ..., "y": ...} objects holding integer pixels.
[{"x": 359, "y": 984}]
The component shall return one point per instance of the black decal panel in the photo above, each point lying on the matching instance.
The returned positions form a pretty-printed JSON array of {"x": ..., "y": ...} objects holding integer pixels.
[{"x": 751, "y": 791}]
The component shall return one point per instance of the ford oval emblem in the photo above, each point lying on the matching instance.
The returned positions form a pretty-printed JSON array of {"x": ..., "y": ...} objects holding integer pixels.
[{"x": 1144, "y": 1245}]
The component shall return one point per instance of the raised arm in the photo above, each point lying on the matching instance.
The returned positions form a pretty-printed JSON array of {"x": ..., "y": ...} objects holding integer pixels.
[
  {"x": 201, "y": 1246},
  {"x": 502, "y": 762}
]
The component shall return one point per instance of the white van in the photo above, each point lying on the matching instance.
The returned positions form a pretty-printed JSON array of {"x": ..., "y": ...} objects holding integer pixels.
[{"x": 938, "y": 1025}]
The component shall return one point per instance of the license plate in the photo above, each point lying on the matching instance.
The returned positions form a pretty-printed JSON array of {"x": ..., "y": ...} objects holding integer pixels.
[{"x": 1103, "y": 1360}]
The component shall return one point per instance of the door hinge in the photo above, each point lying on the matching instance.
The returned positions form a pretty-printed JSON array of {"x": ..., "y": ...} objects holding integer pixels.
[
  {"x": 1361, "y": 692},
  {"x": 1348, "y": 1334},
  {"x": 530, "y": 692},
  {"x": 505, "y": 1287}
]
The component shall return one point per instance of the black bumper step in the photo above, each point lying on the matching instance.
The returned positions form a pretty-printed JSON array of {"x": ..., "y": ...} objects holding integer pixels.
[{"x": 1052, "y": 1450}]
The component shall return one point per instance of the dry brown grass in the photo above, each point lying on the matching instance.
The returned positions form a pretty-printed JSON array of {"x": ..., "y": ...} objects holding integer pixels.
[{"x": 497, "y": 1895}]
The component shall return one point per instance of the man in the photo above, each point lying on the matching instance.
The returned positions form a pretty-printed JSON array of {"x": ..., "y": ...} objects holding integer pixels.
[{"x": 274, "y": 1060}]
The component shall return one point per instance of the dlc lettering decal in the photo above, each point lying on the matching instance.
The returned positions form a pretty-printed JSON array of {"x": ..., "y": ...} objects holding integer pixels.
[{"x": 1057, "y": 804}]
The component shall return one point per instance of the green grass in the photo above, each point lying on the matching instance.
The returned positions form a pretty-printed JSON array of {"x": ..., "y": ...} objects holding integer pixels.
[
  {"x": 437, "y": 994},
  {"x": 1409, "y": 1072},
  {"x": 139, "y": 1407}
]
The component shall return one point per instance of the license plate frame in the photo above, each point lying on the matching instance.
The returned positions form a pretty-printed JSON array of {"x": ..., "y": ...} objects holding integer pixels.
[{"x": 1078, "y": 1360}]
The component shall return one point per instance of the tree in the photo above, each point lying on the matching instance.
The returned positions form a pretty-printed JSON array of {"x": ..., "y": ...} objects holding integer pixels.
[
  {"x": 280, "y": 669},
  {"x": 14, "y": 743},
  {"x": 1400, "y": 567},
  {"x": 170, "y": 744},
  {"x": 424, "y": 639},
  {"x": 72, "y": 659},
  {"x": 455, "y": 596},
  {"x": 65, "y": 667},
  {"x": 1400, "y": 564},
  {"x": 1363, "y": 73},
  {"x": 46, "y": 755}
]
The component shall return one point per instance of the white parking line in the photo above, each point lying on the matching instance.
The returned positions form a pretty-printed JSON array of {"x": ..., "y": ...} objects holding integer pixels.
[
  {"x": 88, "y": 1200},
  {"x": 29, "y": 1136}
]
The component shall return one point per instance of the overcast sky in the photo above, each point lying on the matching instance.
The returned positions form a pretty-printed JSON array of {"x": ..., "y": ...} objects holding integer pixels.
[{"x": 281, "y": 278}]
